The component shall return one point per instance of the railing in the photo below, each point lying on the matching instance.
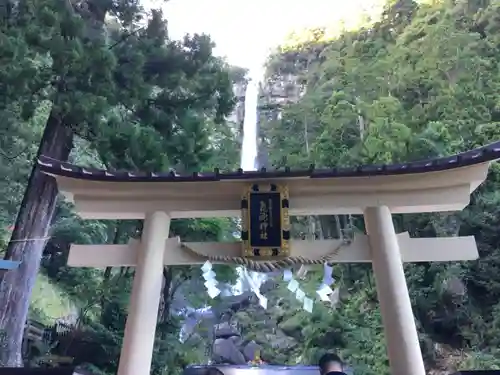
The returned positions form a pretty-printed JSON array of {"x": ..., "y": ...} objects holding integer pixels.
[
  {"x": 34, "y": 331},
  {"x": 37, "y": 334}
]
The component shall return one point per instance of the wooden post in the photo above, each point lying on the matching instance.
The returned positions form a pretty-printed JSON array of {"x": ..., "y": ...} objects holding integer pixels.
[
  {"x": 138, "y": 340},
  {"x": 403, "y": 346}
]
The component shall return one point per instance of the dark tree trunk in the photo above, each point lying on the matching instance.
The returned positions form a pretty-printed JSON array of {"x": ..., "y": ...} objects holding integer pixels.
[
  {"x": 108, "y": 270},
  {"x": 330, "y": 226},
  {"x": 166, "y": 294},
  {"x": 28, "y": 241}
]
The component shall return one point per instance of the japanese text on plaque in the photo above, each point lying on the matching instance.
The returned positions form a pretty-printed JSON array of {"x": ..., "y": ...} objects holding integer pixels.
[{"x": 265, "y": 218}]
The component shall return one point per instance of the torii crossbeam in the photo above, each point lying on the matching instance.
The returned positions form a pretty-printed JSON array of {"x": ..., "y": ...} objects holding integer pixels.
[{"x": 443, "y": 184}]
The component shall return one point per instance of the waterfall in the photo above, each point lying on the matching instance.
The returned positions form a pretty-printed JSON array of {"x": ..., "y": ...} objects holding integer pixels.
[
  {"x": 249, "y": 143},
  {"x": 249, "y": 162}
]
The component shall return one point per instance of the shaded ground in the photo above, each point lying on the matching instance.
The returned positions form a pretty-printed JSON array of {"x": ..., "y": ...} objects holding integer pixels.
[{"x": 48, "y": 302}]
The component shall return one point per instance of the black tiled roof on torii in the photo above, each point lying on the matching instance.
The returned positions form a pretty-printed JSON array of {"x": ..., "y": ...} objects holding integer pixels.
[{"x": 479, "y": 155}]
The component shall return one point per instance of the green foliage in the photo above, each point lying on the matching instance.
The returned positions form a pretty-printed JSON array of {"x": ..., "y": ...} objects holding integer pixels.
[
  {"x": 134, "y": 99},
  {"x": 419, "y": 83}
]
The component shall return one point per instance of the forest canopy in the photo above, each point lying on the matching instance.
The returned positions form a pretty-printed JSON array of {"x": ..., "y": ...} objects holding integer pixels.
[
  {"x": 102, "y": 84},
  {"x": 419, "y": 82}
]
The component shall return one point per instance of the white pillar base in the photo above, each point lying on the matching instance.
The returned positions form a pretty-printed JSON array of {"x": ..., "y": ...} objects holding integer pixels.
[
  {"x": 403, "y": 347},
  {"x": 140, "y": 329}
]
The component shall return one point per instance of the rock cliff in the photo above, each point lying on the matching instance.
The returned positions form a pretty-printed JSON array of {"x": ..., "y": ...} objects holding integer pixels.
[
  {"x": 237, "y": 117},
  {"x": 245, "y": 328},
  {"x": 280, "y": 87}
]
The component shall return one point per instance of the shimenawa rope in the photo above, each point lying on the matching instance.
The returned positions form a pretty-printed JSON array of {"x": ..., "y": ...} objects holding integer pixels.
[{"x": 270, "y": 265}]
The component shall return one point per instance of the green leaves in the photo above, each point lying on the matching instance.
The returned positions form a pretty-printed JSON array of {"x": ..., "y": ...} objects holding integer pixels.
[
  {"x": 420, "y": 83},
  {"x": 135, "y": 100}
]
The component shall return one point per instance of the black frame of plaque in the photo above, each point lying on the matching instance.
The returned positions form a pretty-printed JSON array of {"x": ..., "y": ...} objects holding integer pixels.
[{"x": 276, "y": 243}]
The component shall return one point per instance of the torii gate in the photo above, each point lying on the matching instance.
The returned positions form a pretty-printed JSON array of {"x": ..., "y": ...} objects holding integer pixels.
[{"x": 443, "y": 184}]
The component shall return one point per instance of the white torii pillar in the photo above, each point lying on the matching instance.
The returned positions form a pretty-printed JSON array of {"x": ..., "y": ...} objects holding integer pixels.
[
  {"x": 403, "y": 347},
  {"x": 140, "y": 329}
]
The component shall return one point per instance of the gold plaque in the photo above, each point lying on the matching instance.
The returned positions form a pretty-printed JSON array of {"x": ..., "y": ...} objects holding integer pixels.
[{"x": 265, "y": 221}]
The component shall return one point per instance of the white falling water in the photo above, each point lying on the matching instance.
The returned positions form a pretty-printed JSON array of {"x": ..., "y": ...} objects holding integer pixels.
[
  {"x": 246, "y": 280},
  {"x": 249, "y": 163},
  {"x": 249, "y": 144}
]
